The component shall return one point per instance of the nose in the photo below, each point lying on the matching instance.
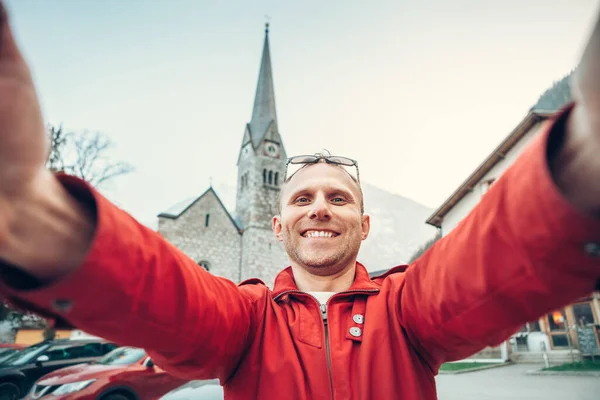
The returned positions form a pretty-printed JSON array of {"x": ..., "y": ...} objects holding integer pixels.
[{"x": 320, "y": 209}]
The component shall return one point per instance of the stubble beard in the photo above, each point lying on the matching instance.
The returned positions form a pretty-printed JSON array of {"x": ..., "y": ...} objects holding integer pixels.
[{"x": 327, "y": 263}]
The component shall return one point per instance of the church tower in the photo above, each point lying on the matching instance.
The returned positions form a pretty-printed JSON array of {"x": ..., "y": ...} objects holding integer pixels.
[{"x": 261, "y": 165}]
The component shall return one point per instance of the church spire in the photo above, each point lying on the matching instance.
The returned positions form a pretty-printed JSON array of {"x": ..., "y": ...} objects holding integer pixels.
[{"x": 263, "y": 114}]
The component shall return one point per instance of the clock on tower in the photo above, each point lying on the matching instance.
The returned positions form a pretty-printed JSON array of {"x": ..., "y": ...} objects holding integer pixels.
[{"x": 271, "y": 149}]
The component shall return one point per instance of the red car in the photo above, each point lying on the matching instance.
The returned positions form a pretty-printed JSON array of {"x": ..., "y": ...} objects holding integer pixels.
[{"x": 126, "y": 373}]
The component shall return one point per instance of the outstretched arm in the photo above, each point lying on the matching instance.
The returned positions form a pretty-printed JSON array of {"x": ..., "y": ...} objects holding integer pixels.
[
  {"x": 531, "y": 246},
  {"x": 90, "y": 264}
]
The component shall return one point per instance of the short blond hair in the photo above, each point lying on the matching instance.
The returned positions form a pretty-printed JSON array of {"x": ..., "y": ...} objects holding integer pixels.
[{"x": 287, "y": 179}]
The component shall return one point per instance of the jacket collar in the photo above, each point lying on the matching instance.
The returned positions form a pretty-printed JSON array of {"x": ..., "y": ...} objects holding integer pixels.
[{"x": 284, "y": 282}]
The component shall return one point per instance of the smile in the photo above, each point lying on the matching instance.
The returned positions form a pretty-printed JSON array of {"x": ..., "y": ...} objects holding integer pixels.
[{"x": 320, "y": 234}]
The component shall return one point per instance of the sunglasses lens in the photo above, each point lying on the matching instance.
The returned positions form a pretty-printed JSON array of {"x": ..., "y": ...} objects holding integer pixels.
[
  {"x": 303, "y": 159},
  {"x": 341, "y": 160}
]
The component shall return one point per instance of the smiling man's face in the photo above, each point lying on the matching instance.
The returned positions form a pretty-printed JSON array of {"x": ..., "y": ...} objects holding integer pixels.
[{"x": 321, "y": 224}]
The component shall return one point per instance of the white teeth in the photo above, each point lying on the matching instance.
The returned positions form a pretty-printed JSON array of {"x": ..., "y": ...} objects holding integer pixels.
[{"x": 312, "y": 234}]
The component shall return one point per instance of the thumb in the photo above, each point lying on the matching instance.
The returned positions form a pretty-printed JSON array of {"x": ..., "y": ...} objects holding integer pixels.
[{"x": 8, "y": 48}]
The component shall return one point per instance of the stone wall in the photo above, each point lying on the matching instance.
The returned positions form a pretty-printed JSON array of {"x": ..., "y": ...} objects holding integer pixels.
[
  {"x": 219, "y": 243},
  {"x": 263, "y": 256}
]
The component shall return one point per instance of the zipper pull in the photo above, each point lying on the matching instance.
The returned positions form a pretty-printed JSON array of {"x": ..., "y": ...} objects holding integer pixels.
[{"x": 324, "y": 312}]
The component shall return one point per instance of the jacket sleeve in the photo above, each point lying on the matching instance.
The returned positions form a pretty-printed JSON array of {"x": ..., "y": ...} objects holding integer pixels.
[
  {"x": 136, "y": 289},
  {"x": 522, "y": 252}
]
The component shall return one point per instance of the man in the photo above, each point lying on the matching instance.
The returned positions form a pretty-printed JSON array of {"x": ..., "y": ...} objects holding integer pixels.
[{"x": 531, "y": 246}]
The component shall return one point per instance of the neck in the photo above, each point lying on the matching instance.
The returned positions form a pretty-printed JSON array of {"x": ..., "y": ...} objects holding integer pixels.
[{"x": 338, "y": 282}]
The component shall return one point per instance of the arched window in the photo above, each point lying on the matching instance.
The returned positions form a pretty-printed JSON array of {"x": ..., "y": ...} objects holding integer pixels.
[
  {"x": 204, "y": 264},
  {"x": 276, "y": 178},
  {"x": 270, "y": 177},
  {"x": 264, "y": 176}
]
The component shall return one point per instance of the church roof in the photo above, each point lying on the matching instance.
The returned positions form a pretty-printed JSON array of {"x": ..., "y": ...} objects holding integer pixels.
[
  {"x": 263, "y": 113},
  {"x": 178, "y": 209}
]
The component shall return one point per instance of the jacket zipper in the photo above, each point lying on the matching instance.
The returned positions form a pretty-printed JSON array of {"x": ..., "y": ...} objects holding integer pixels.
[
  {"x": 323, "y": 308},
  {"x": 327, "y": 351}
]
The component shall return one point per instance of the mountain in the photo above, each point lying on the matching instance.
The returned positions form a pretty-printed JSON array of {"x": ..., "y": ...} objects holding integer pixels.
[{"x": 398, "y": 228}]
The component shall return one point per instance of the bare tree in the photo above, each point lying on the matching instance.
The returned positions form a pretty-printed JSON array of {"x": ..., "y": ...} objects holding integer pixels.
[
  {"x": 57, "y": 144},
  {"x": 84, "y": 154},
  {"x": 13, "y": 318}
]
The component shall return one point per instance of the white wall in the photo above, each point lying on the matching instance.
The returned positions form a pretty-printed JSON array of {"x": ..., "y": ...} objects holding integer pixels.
[{"x": 471, "y": 199}]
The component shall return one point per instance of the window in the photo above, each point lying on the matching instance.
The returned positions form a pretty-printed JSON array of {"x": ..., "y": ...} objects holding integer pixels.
[
  {"x": 205, "y": 265},
  {"x": 206, "y": 220},
  {"x": 557, "y": 321},
  {"x": 534, "y": 326},
  {"x": 108, "y": 347},
  {"x": 276, "y": 178},
  {"x": 92, "y": 350},
  {"x": 560, "y": 341},
  {"x": 270, "y": 177},
  {"x": 57, "y": 353},
  {"x": 264, "y": 176},
  {"x": 583, "y": 314}
]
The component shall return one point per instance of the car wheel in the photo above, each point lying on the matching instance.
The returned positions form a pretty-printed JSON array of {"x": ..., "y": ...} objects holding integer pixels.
[
  {"x": 9, "y": 391},
  {"x": 114, "y": 396}
]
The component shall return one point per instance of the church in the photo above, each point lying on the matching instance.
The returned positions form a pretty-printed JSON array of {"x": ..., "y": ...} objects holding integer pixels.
[{"x": 237, "y": 243}]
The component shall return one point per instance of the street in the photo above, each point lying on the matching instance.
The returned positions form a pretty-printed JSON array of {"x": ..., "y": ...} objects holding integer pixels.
[{"x": 512, "y": 383}]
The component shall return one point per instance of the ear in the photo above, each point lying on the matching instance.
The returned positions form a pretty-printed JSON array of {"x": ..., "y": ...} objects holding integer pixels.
[
  {"x": 276, "y": 227},
  {"x": 366, "y": 226}
]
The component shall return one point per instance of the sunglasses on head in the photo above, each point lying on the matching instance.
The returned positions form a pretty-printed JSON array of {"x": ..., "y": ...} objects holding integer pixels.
[{"x": 335, "y": 160}]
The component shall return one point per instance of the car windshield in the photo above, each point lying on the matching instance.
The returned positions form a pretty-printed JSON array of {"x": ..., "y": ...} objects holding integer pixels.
[
  {"x": 122, "y": 356},
  {"x": 26, "y": 355},
  {"x": 5, "y": 354},
  {"x": 6, "y": 350}
]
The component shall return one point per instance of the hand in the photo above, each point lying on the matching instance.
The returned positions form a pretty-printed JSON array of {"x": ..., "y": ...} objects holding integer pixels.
[
  {"x": 43, "y": 229},
  {"x": 576, "y": 167},
  {"x": 24, "y": 144}
]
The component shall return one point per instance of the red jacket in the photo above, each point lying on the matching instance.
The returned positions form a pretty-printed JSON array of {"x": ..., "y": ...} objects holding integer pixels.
[{"x": 524, "y": 251}]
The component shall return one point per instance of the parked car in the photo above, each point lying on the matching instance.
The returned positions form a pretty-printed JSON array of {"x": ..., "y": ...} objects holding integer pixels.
[
  {"x": 8, "y": 349},
  {"x": 197, "y": 390},
  {"x": 126, "y": 373},
  {"x": 22, "y": 369}
]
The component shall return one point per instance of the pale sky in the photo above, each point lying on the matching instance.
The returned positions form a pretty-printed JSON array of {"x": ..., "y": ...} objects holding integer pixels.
[{"x": 419, "y": 92}]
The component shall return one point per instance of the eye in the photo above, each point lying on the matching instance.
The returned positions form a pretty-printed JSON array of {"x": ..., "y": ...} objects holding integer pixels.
[
  {"x": 302, "y": 200},
  {"x": 338, "y": 200}
]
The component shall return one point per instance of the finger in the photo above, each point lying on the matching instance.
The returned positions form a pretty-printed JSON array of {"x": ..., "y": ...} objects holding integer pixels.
[{"x": 9, "y": 51}]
